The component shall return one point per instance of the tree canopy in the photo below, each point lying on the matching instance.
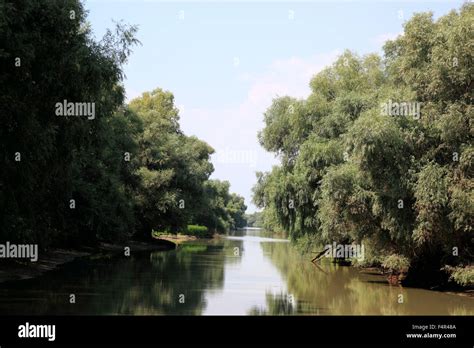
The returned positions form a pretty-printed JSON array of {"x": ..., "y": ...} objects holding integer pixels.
[
  {"x": 69, "y": 181},
  {"x": 401, "y": 182}
]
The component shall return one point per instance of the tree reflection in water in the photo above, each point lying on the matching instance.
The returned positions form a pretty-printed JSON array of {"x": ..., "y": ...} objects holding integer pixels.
[{"x": 331, "y": 289}]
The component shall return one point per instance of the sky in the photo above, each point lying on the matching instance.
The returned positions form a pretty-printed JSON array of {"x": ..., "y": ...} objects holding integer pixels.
[{"x": 225, "y": 61}]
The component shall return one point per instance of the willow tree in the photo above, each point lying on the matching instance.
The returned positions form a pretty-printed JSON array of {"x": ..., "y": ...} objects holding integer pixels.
[
  {"x": 61, "y": 178},
  {"x": 400, "y": 181}
]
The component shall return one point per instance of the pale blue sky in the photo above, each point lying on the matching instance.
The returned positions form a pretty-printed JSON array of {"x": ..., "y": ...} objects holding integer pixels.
[{"x": 224, "y": 62}]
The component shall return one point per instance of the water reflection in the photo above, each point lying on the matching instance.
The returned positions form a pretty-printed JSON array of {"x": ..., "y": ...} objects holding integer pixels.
[
  {"x": 247, "y": 273},
  {"x": 247, "y": 281},
  {"x": 145, "y": 284},
  {"x": 338, "y": 290}
]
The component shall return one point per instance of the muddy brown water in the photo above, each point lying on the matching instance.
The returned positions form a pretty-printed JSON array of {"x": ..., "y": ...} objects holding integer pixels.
[{"x": 245, "y": 273}]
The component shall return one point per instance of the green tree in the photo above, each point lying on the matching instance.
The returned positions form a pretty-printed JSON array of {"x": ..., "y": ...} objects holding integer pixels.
[
  {"x": 351, "y": 173},
  {"x": 48, "y": 55},
  {"x": 172, "y": 166}
]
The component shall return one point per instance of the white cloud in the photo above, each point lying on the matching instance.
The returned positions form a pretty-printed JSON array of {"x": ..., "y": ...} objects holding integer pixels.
[
  {"x": 232, "y": 131},
  {"x": 289, "y": 76}
]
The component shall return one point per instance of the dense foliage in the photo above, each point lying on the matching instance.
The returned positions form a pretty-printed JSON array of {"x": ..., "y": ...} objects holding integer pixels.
[
  {"x": 69, "y": 180},
  {"x": 198, "y": 231},
  {"x": 358, "y": 166}
]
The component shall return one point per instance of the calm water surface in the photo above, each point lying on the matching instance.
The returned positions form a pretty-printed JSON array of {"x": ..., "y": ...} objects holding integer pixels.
[{"x": 244, "y": 273}]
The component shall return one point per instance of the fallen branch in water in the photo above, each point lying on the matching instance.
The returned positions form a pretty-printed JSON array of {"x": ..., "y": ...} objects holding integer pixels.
[{"x": 320, "y": 254}]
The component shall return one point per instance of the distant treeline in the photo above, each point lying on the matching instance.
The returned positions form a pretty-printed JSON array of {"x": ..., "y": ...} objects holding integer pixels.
[
  {"x": 81, "y": 178},
  {"x": 254, "y": 219},
  {"x": 381, "y": 153}
]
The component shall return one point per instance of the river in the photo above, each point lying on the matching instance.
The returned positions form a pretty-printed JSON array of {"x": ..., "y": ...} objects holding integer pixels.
[{"x": 244, "y": 273}]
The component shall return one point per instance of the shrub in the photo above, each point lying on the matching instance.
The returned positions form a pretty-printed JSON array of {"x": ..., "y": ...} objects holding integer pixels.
[
  {"x": 158, "y": 234},
  {"x": 463, "y": 276},
  {"x": 198, "y": 231},
  {"x": 396, "y": 263}
]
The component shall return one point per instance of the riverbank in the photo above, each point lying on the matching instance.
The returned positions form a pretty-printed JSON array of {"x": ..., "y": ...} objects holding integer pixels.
[
  {"x": 175, "y": 238},
  {"x": 428, "y": 279},
  {"x": 179, "y": 238},
  {"x": 52, "y": 259},
  {"x": 449, "y": 288}
]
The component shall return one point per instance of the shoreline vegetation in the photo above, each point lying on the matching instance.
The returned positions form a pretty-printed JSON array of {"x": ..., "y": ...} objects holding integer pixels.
[{"x": 380, "y": 155}]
